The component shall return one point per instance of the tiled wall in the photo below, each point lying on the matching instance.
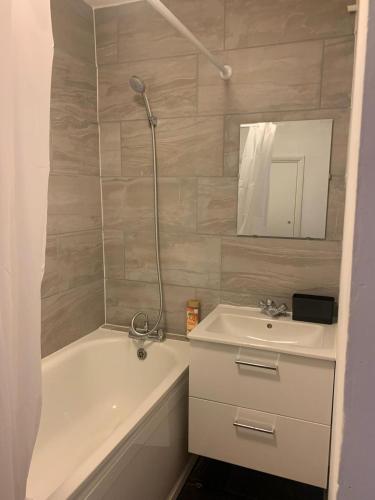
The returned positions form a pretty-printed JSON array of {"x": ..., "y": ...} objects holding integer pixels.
[
  {"x": 72, "y": 290},
  {"x": 291, "y": 60}
]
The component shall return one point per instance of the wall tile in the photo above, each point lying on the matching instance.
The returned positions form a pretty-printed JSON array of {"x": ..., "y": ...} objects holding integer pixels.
[
  {"x": 252, "y": 299},
  {"x": 106, "y": 23},
  {"x": 217, "y": 205},
  {"x": 171, "y": 84},
  {"x": 129, "y": 204},
  {"x": 114, "y": 254},
  {"x": 185, "y": 147},
  {"x": 145, "y": 34},
  {"x": 340, "y": 132},
  {"x": 337, "y": 72},
  {"x": 140, "y": 257},
  {"x": 175, "y": 299},
  {"x": 280, "y": 267},
  {"x": 264, "y": 78},
  {"x": 73, "y": 203},
  {"x": 110, "y": 136},
  {"x": 190, "y": 260},
  {"x": 70, "y": 315},
  {"x": 336, "y": 205},
  {"x": 72, "y": 24},
  {"x": 52, "y": 278},
  {"x": 263, "y": 22},
  {"x": 208, "y": 298}
]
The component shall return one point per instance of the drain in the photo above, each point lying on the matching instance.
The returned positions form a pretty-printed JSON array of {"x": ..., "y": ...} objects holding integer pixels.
[
  {"x": 141, "y": 353},
  {"x": 269, "y": 325}
]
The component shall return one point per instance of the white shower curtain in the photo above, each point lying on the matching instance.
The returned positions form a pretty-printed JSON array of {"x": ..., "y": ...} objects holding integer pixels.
[
  {"x": 253, "y": 182},
  {"x": 26, "y": 51}
]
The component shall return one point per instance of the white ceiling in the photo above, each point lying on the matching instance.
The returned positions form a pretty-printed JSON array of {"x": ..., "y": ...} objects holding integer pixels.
[{"x": 106, "y": 3}]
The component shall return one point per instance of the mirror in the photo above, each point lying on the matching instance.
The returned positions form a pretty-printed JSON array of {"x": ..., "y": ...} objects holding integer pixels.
[{"x": 283, "y": 178}]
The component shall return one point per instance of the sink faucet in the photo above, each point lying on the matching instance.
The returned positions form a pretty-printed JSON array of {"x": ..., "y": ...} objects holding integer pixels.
[{"x": 270, "y": 308}]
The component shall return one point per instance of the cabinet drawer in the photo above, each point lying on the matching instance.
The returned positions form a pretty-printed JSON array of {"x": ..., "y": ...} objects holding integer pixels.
[
  {"x": 288, "y": 385},
  {"x": 282, "y": 446}
]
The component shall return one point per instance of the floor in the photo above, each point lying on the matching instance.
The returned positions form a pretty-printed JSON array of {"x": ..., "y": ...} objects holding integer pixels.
[{"x": 214, "y": 480}]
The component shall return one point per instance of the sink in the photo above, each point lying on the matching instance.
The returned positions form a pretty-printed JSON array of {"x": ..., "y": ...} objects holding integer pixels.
[{"x": 247, "y": 326}]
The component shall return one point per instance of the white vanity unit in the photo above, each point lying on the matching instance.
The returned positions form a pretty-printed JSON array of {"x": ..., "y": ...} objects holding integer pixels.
[{"x": 261, "y": 393}]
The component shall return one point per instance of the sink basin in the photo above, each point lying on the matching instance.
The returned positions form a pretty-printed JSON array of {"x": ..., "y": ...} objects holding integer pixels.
[{"x": 247, "y": 326}]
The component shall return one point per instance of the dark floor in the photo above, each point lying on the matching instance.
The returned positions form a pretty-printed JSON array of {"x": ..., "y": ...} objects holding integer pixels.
[{"x": 214, "y": 480}]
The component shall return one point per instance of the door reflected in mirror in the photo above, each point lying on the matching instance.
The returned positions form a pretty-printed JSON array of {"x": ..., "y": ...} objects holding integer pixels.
[{"x": 284, "y": 178}]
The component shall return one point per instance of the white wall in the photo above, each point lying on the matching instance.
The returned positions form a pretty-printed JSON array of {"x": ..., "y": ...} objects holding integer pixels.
[{"x": 352, "y": 468}]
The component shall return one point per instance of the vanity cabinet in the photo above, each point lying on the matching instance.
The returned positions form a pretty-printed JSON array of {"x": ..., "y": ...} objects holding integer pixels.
[{"x": 261, "y": 409}]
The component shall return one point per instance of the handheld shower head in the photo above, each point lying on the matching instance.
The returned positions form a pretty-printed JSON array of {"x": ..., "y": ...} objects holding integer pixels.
[{"x": 137, "y": 85}]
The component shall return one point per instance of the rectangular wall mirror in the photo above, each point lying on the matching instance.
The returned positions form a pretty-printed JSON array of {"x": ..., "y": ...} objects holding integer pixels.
[{"x": 284, "y": 178}]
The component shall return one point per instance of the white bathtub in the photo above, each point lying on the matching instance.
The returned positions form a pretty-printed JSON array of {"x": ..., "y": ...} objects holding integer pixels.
[{"x": 112, "y": 427}]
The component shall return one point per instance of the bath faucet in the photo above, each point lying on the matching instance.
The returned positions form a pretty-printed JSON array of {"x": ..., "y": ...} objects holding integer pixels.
[
  {"x": 145, "y": 333},
  {"x": 270, "y": 308}
]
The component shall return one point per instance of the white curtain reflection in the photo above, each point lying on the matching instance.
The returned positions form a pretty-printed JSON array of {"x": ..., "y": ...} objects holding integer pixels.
[{"x": 254, "y": 177}]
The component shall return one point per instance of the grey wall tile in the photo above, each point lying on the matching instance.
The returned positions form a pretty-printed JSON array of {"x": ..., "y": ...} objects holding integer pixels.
[
  {"x": 72, "y": 24},
  {"x": 191, "y": 260},
  {"x": 264, "y": 78},
  {"x": 110, "y": 136},
  {"x": 140, "y": 257},
  {"x": 106, "y": 29},
  {"x": 340, "y": 132},
  {"x": 73, "y": 203},
  {"x": 217, "y": 205},
  {"x": 52, "y": 278},
  {"x": 145, "y": 34},
  {"x": 186, "y": 147},
  {"x": 175, "y": 299},
  {"x": 69, "y": 315},
  {"x": 336, "y": 205},
  {"x": 208, "y": 298},
  {"x": 260, "y": 22},
  {"x": 280, "y": 267},
  {"x": 171, "y": 86},
  {"x": 128, "y": 203},
  {"x": 252, "y": 299},
  {"x": 114, "y": 254},
  {"x": 337, "y": 72}
]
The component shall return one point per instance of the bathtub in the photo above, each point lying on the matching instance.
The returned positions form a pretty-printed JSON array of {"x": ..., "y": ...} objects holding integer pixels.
[{"x": 113, "y": 427}]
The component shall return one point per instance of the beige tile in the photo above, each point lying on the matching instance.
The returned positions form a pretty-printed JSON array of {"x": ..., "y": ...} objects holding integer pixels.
[
  {"x": 280, "y": 267},
  {"x": 73, "y": 88},
  {"x": 263, "y": 22},
  {"x": 114, "y": 254},
  {"x": 217, "y": 205},
  {"x": 73, "y": 203},
  {"x": 264, "y": 78},
  {"x": 190, "y": 260},
  {"x": 337, "y": 72},
  {"x": 140, "y": 256},
  {"x": 125, "y": 298},
  {"x": 110, "y": 136},
  {"x": 336, "y": 206},
  {"x": 70, "y": 315},
  {"x": 106, "y": 28},
  {"x": 128, "y": 204},
  {"x": 185, "y": 147},
  {"x": 74, "y": 146},
  {"x": 52, "y": 278},
  {"x": 171, "y": 84},
  {"x": 80, "y": 258},
  {"x": 110, "y": 163},
  {"x": 340, "y": 119},
  {"x": 73, "y": 28},
  {"x": 208, "y": 299},
  {"x": 251, "y": 299},
  {"x": 145, "y": 34}
]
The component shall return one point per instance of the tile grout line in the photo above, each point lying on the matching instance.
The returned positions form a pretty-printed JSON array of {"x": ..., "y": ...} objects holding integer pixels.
[{"x": 100, "y": 167}]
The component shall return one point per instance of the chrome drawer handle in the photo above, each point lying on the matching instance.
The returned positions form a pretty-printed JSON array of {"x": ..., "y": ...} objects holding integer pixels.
[
  {"x": 254, "y": 428},
  {"x": 257, "y": 365}
]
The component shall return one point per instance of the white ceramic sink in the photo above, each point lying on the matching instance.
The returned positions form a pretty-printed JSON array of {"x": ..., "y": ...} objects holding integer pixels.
[{"x": 247, "y": 326}]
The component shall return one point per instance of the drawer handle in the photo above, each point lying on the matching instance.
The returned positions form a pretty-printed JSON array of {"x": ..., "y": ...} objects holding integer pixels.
[
  {"x": 257, "y": 365},
  {"x": 254, "y": 428}
]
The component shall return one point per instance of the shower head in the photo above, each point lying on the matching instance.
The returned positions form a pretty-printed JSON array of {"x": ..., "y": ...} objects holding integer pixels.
[{"x": 137, "y": 85}]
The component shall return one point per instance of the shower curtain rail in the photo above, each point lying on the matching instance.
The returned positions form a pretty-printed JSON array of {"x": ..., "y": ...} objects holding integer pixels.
[{"x": 225, "y": 70}]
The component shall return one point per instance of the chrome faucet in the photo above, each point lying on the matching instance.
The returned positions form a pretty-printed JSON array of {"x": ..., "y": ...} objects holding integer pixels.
[
  {"x": 145, "y": 333},
  {"x": 270, "y": 308}
]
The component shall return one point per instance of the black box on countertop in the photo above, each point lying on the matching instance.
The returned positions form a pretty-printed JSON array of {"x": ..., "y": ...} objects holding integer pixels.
[{"x": 313, "y": 308}]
